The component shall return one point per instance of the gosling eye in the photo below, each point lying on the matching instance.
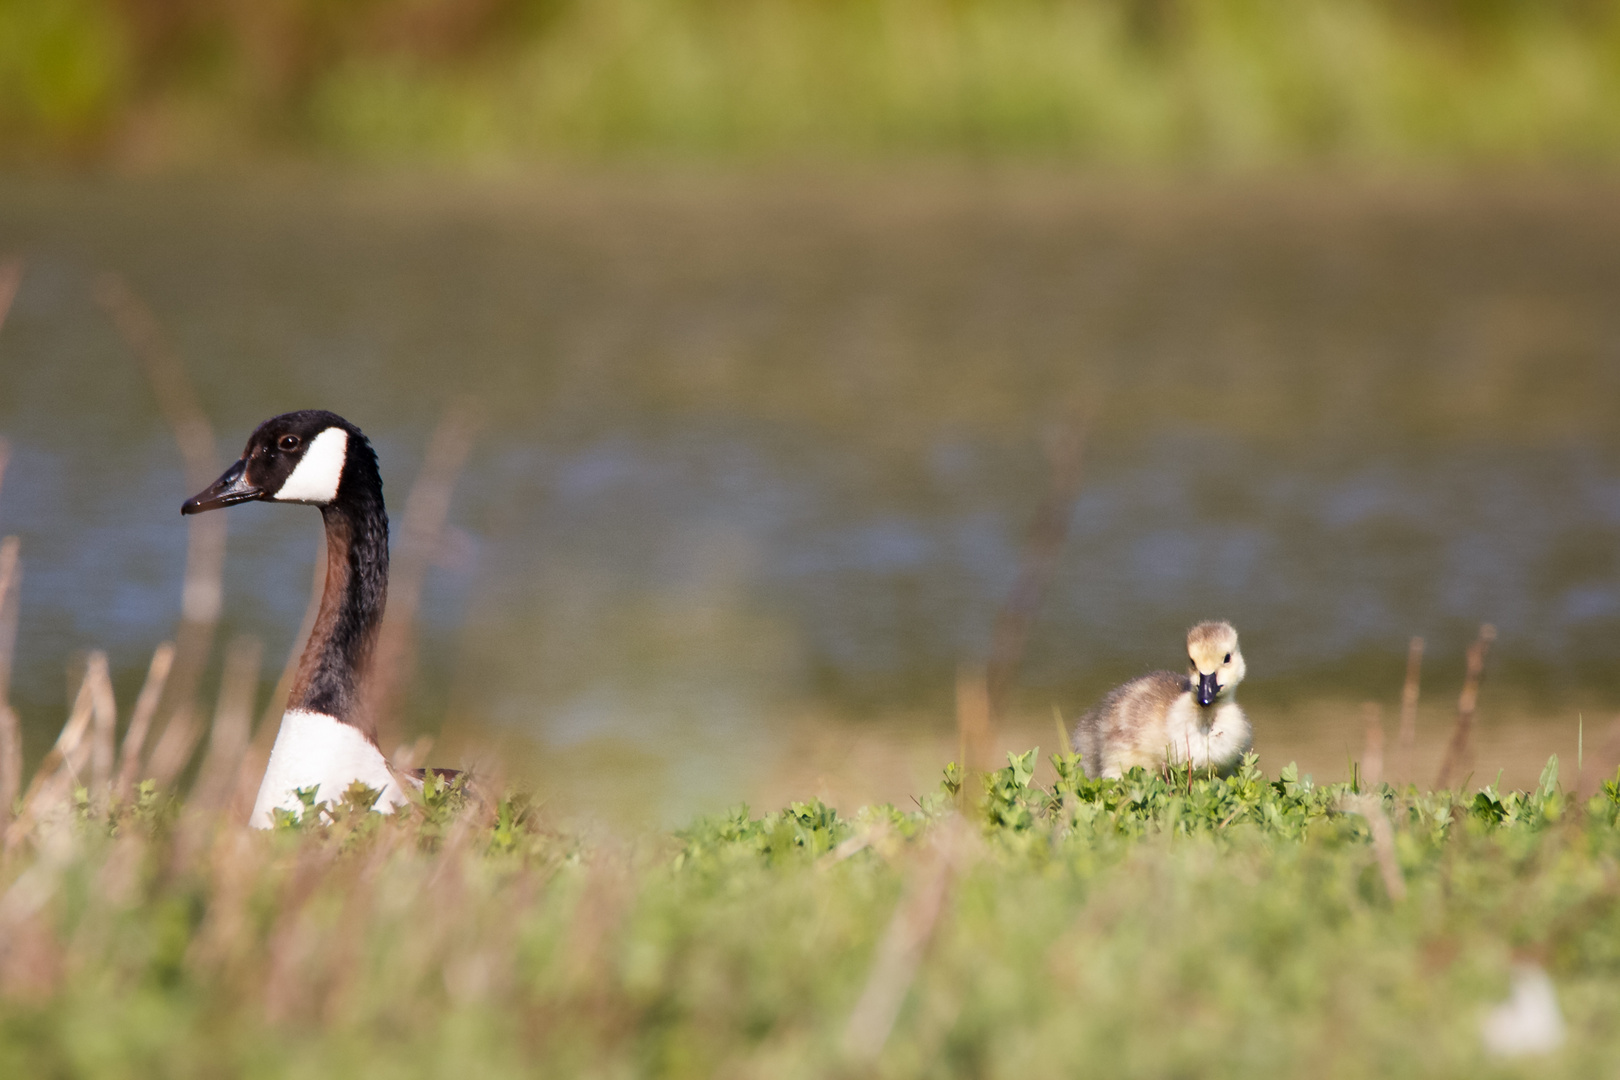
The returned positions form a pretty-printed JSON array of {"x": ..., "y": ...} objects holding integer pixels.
[
  {"x": 289, "y": 443},
  {"x": 1228, "y": 659}
]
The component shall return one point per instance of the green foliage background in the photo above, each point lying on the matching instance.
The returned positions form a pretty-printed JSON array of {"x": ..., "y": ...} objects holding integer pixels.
[{"x": 1224, "y": 83}]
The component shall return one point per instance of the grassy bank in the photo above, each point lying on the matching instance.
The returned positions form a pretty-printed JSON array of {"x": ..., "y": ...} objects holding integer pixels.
[
  {"x": 1154, "y": 926},
  {"x": 1224, "y": 83}
]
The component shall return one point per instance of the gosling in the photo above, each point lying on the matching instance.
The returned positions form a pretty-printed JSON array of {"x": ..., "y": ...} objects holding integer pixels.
[{"x": 1167, "y": 719}]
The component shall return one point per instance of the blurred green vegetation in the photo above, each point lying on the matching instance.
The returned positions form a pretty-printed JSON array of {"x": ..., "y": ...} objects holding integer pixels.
[
  {"x": 1177, "y": 925},
  {"x": 1216, "y": 83}
]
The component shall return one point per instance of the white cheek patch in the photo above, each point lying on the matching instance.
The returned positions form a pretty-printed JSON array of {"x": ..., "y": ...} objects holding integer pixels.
[{"x": 315, "y": 480}]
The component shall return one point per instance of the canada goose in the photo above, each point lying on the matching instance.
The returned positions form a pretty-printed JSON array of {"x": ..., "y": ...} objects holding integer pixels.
[
  {"x": 327, "y": 739},
  {"x": 1165, "y": 718}
]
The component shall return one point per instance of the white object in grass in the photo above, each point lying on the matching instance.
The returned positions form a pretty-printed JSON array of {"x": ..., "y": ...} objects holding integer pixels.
[{"x": 1528, "y": 1022}]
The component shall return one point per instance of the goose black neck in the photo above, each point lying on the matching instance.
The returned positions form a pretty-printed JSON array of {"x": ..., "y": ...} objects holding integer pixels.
[{"x": 331, "y": 674}]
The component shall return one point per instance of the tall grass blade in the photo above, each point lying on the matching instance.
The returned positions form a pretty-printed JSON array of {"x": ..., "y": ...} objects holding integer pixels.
[
  {"x": 1457, "y": 750},
  {"x": 203, "y": 591},
  {"x": 140, "y": 722},
  {"x": 104, "y": 724},
  {"x": 421, "y": 537},
  {"x": 1406, "y": 740},
  {"x": 217, "y": 778}
]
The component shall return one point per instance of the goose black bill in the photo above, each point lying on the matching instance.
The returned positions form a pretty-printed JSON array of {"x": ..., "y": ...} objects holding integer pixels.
[
  {"x": 1207, "y": 688},
  {"x": 228, "y": 490}
]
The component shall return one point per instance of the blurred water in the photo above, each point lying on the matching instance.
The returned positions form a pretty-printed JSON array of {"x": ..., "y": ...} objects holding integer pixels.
[{"x": 758, "y": 447}]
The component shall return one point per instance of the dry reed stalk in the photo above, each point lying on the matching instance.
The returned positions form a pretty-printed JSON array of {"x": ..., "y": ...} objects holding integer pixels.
[
  {"x": 598, "y": 913},
  {"x": 1407, "y": 738},
  {"x": 458, "y": 840},
  {"x": 421, "y": 536},
  {"x": 203, "y": 592},
  {"x": 1369, "y": 803},
  {"x": 234, "y": 869},
  {"x": 1458, "y": 749},
  {"x": 972, "y": 725},
  {"x": 104, "y": 724},
  {"x": 66, "y": 756},
  {"x": 10, "y": 586},
  {"x": 10, "y": 728},
  {"x": 115, "y": 887},
  {"x": 217, "y": 778},
  {"x": 175, "y": 747},
  {"x": 264, "y": 735},
  {"x": 31, "y": 959},
  {"x": 293, "y": 938},
  {"x": 344, "y": 962},
  {"x": 486, "y": 971},
  {"x": 140, "y": 722},
  {"x": 1047, "y": 535},
  {"x": 1372, "y": 758},
  {"x": 900, "y": 952},
  {"x": 411, "y": 755},
  {"x": 53, "y": 782},
  {"x": 10, "y": 762},
  {"x": 11, "y": 272},
  {"x": 245, "y": 790}
]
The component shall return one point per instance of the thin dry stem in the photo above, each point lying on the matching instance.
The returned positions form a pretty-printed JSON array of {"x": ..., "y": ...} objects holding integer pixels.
[
  {"x": 264, "y": 735},
  {"x": 10, "y": 761},
  {"x": 412, "y": 755},
  {"x": 1372, "y": 759},
  {"x": 53, "y": 783},
  {"x": 104, "y": 723},
  {"x": 174, "y": 747},
  {"x": 270, "y": 718},
  {"x": 421, "y": 537},
  {"x": 140, "y": 723},
  {"x": 1407, "y": 737},
  {"x": 234, "y": 868},
  {"x": 66, "y": 758},
  {"x": 217, "y": 779},
  {"x": 972, "y": 724},
  {"x": 10, "y": 727},
  {"x": 1457, "y": 750},
  {"x": 10, "y": 586},
  {"x": 293, "y": 938},
  {"x": 901, "y": 950},
  {"x": 11, "y": 272},
  {"x": 1047, "y": 535},
  {"x": 203, "y": 593},
  {"x": 1370, "y": 805},
  {"x": 1383, "y": 838}
]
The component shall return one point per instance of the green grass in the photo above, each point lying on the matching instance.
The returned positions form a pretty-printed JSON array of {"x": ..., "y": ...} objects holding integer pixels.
[
  {"x": 1159, "y": 925},
  {"x": 1224, "y": 83}
]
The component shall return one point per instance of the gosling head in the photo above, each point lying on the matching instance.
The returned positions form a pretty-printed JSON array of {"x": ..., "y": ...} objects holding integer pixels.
[
  {"x": 1217, "y": 665},
  {"x": 312, "y": 456}
]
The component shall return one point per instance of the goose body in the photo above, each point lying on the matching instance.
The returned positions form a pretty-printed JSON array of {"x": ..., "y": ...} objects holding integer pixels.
[
  {"x": 327, "y": 739},
  {"x": 1165, "y": 718}
]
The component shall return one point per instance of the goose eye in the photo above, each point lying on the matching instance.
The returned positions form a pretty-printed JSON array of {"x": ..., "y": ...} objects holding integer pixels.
[
  {"x": 1228, "y": 659},
  {"x": 288, "y": 442}
]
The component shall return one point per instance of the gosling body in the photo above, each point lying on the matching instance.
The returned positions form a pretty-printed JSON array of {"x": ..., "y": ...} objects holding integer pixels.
[{"x": 1164, "y": 718}]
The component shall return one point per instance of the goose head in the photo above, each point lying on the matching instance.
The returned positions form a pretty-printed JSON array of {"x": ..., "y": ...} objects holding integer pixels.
[
  {"x": 1217, "y": 665},
  {"x": 313, "y": 457}
]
